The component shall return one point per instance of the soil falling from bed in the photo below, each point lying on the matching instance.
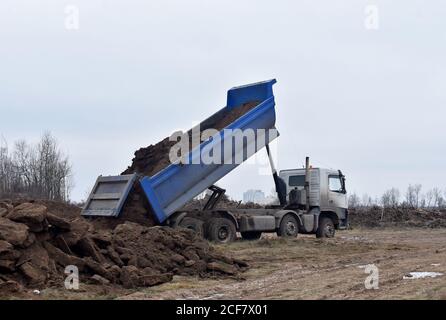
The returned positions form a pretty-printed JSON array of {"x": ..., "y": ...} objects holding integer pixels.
[{"x": 150, "y": 160}]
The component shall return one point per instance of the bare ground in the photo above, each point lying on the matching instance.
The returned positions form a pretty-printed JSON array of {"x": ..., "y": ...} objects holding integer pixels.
[{"x": 309, "y": 268}]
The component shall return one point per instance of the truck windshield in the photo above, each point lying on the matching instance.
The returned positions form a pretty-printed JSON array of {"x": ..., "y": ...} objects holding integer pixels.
[{"x": 296, "y": 181}]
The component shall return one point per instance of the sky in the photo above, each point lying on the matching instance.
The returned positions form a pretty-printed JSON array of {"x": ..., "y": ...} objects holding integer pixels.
[{"x": 361, "y": 84}]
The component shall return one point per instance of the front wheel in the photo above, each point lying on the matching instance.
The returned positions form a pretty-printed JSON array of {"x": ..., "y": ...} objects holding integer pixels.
[
  {"x": 326, "y": 228},
  {"x": 221, "y": 230},
  {"x": 289, "y": 227}
]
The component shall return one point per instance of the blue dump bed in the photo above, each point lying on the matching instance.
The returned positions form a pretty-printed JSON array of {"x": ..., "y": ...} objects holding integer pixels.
[{"x": 171, "y": 188}]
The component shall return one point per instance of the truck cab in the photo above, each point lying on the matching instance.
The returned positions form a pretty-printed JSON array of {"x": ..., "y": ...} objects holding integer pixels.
[{"x": 327, "y": 192}]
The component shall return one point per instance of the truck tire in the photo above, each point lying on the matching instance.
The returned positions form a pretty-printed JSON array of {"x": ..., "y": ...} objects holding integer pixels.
[
  {"x": 289, "y": 227},
  {"x": 194, "y": 224},
  {"x": 251, "y": 235},
  {"x": 221, "y": 230},
  {"x": 326, "y": 228}
]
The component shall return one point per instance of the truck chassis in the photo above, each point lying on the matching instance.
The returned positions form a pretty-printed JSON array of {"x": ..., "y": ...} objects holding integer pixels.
[{"x": 222, "y": 225}]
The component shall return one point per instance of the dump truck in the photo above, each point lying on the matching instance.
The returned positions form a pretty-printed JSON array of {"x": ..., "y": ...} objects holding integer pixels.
[{"x": 310, "y": 200}]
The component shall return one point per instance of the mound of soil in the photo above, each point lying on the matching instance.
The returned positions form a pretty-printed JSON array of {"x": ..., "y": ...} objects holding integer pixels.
[
  {"x": 39, "y": 239},
  {"x": 397, "y": 217},
  {"x": 37, "y": 244}
]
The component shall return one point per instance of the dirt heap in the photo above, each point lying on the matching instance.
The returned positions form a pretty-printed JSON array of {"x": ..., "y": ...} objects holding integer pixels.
[
  {"x": 152, "y": 159},
  {"x": 37, "y": 244},
  {"x": 397, "y": 217},
  {"x": 38, "y": 239}
]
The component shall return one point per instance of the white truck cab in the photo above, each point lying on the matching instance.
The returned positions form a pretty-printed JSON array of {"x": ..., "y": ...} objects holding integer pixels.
[{"x": 327, "y": 191}]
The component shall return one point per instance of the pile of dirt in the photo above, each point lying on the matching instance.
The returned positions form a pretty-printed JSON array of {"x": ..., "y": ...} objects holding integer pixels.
[
  {"x": 39, "y": 239},
  {"x": 37, "y": 244},
  {"x": 152, "y": 159},
  {"x": 397, "y": 217}
]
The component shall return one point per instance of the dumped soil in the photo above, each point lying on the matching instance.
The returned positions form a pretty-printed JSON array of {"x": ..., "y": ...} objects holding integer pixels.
[
  {"x": 39, "y": 239},
  {"x": 152, "y": 159},
  {"x": 373, "y": 217},
  {"x": 37, "y": 244},
  {"x": 136, "y": 209},
  {"x": 224, "y": 203}
]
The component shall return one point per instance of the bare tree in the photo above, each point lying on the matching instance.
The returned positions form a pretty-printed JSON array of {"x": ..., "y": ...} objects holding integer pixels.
[
  {"x": 353, "y": 201},
  {"x": 442, "y": 202},
  {"x": 417, "y": 194},
  {"x": 437, "y": 197},
  {"x": 390, "y": 198},
  {"x": 5, "y": 166},
  {"x": 40, "y": 171},
  {"x": 366, "y": 200},
  {"x": 429, "y": 197},
  {"x": 413, "y": 195}
]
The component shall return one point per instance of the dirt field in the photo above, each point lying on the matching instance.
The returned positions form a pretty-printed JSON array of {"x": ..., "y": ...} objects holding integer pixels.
[{"x": 308, "y": 268}]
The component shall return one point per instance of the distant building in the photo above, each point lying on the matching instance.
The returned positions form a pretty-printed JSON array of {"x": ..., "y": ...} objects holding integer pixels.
[{"x": 255, "y": 196}]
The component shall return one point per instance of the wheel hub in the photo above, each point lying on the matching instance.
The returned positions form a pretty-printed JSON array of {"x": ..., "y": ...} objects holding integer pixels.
[
  {"x": 329, "y": 230},
  {"x": 290, "y": 228},
  {"x": 223, "y": 233}
]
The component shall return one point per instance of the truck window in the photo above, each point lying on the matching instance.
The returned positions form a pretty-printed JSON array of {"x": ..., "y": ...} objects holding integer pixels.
[
  {"x": 334, "y": 184},
  {"x": 296, "y": 181}
]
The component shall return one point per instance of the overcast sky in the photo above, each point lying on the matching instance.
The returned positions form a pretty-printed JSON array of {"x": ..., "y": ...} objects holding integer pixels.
[{"x": 368, "y": 101}]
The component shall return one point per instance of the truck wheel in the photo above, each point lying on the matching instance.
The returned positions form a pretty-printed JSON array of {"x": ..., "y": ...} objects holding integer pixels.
[
  {"x": 221, "y": 230},
  {"x": 289, "y": 227},
  {"x": 193, "y": 224},
  {"x": 326, "y": 228},
  {"x": 251, "y": 235}
]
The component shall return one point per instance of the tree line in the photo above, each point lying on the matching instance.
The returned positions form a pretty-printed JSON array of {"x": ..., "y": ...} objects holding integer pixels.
[
  {"x": 413, "y": 198},
  {"x": 38, "y": 171}
]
